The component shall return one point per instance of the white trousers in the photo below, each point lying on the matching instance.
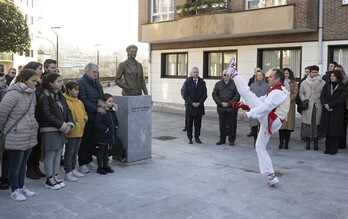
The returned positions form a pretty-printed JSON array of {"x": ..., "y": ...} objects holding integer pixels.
[{"x": 250, "y": 99}]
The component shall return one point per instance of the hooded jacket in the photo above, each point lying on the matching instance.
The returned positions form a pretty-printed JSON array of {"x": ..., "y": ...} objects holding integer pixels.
[
  {"x": 106, "y": 124},
  {"x": 79, "y": 116},
  {"x": 16, "y": 101}
]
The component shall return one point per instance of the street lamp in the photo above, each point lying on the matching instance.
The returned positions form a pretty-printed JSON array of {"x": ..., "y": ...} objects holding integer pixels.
[
  {"x": 97, "y": 46},
  {"x": 52, "y": 28},
  {"x": 54, "y": 46}
]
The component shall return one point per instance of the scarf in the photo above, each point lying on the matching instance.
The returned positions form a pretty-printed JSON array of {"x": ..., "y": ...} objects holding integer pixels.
[{"x": 272, "y": 116}]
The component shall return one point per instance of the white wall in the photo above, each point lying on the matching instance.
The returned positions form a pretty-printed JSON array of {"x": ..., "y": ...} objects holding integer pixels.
[{"x": 167, "y": 90}]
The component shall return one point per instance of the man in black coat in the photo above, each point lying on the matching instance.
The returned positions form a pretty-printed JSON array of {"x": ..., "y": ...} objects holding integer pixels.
[
  {"x": 89, "y": 93},
  {"x": 224, "y": 93},
  {"x": 195, "y": 93}
]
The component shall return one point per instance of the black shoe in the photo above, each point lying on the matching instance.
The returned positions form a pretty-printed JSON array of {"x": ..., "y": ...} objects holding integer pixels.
[
  {"x": 333, "y": 153},
  {"x": 108, "y": 169},
  {"x": 250, "y": 134},
  {"x": 184, "y": 130},
  {"x": 38, "y": 172},
  {"x": 198, "y": 141},
  {"x": 101, "y": 171},
  {"x": 280, "y": 146},
  {"x": 326, "y": 152},
  {"x": 286, "y": 146},
  {"x": 31, "y": 173},
  {"x": 316, "y": 144},
  {"x": 189, "y": 141},
  {"x": 4, "y": 184},
  {"x": 220, "y": 142}
]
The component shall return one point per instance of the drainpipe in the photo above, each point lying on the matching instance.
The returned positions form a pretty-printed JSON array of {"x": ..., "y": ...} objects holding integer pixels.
[
  {"x": 320, "y": 36},
  {"x": 149, "y": 73}
]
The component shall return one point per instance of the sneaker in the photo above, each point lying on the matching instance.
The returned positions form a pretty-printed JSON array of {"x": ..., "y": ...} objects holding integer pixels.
[
  {"x": 70, "y": 177},
  {"x": 18, "y": 195},
  {"x": 108, "y": 169},
  {"x": 27, "y": 192},
  {"x": 77, "y": 173},
  {"x": 272, "y": 182},
  {"x": 59, "y": 181},
  {"x": 51, "y": 183},
  {"x": 92, "y": 166},
  {"x": 84, "y": 169}
]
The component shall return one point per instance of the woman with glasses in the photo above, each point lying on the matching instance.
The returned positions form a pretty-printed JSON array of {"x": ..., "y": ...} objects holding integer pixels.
[{"x": 10, "y": 75}]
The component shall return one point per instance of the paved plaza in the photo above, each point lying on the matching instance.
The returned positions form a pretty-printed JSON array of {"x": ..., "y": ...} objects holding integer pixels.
[{"x": 199, "y": 181}]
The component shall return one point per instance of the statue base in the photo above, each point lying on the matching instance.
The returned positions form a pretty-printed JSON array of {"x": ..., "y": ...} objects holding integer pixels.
[{"x": 135, "y": 126}]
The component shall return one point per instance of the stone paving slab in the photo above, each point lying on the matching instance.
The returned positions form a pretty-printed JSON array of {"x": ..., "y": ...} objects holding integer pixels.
[{"x": 199, "y": 181}]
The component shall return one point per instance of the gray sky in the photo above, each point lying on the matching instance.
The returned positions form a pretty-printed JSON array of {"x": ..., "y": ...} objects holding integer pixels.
[{"x": 111, "y": 23}]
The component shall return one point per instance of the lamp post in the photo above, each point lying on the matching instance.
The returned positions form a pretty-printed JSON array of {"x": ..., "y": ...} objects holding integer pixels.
[
  {"x": 54, "y": 46},
  {"x": 97, "y": 46},
  {"x": 52, "y": 28}
]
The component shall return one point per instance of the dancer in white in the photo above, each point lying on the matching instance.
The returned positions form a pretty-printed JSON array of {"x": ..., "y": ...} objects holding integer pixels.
[{"x": 270, "y": 110}]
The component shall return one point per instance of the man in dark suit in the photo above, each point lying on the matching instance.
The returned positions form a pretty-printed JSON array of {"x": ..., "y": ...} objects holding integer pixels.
[
  {"x": 195, "y": 93},
  {"x": 224, "y": 93}
]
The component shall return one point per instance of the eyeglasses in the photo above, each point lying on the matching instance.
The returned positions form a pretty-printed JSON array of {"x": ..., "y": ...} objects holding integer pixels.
[{"x": 225, "y": 74}]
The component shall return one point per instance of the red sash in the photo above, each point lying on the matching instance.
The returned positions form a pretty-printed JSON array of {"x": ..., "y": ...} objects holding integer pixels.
[{"x": 272, "y": 116}]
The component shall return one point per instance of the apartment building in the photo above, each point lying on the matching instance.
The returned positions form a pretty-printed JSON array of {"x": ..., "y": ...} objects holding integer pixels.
[
  {"x": 29, "y": 9},
  {"x": 264, "y": 33}
]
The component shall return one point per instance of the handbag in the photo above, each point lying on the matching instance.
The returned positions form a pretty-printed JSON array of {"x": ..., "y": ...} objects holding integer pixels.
[
  {"x": 4, "y": 134},
  {"x": 304, "y": 104}
]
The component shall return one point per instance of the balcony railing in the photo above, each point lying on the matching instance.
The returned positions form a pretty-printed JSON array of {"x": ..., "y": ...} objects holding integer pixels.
[
  {"x": 6, "y": 57},
  {"x": 201, "y": 7}
]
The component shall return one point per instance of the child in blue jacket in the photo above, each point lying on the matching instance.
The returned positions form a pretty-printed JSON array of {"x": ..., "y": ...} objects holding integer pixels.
[{"x": 106, "y": 125}]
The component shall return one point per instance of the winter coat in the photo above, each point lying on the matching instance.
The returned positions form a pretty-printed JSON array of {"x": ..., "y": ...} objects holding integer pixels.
[
  {"x": 89, "y": 93},
  {"x": 259, "y": 89},
  {"x": 16, "y": 101},
  {"x": 52, "y": 116},
  {"x": 197, "y": 95},
  {"x": 79, "y": 116},
  {"x": 3, "y": 92},
  {"x": 332, "y": 123},
  {"x": 225, "y": 93},
  {"x": 311, "y": 89},
  {"x": 106, "y": 124},
  {"x": 289, "y": 123},
  {"x": 8, "y": 79}
]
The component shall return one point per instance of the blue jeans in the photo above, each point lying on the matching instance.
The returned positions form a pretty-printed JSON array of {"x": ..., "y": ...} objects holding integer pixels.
[{"x": 18, "y": 162}]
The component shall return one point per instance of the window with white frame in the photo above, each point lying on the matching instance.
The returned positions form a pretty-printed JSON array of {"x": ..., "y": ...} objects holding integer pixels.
[
  {"x": 255, "y": 4},
  {"x": 174, "y": 65},
  {"x": 280, "y": 58},
  {"x": 339, "y": 54},
  {"x": 162, "y": 10},
  {"x": 216, "y": 61}
]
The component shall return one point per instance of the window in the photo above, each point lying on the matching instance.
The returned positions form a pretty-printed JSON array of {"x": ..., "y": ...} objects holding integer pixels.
[
  {"x": 255, "y": 4},
  {"x": 27, "y": 53},
  {"x": 344, "y": 2},
  {"x": 339, "y": 54},
  {"x": 162, "y": 10},
  {"x": 31, "y": 53},
  {"x": 174, "y": 65},
  {"x": 280, "y": 58},
  {"x": 215, "y": 62},
  {"x": 2, "y": 68}
]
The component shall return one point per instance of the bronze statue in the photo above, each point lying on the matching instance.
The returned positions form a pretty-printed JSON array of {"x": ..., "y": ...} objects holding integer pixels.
[{"x": 132, "y": 71}]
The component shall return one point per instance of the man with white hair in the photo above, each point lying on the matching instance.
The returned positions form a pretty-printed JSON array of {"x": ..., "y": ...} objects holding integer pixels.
[
  {"x": 195, "y": 93},
  {"x": 270, "y": 110}
]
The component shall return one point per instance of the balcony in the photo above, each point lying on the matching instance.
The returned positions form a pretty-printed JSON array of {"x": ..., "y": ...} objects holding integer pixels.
[
  {"x": 5, "y": 57},
  {"x": 275, "y": 20}
]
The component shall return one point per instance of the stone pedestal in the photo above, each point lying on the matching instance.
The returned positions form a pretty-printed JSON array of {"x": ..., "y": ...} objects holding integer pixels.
[{"x": 135, "y": 130}]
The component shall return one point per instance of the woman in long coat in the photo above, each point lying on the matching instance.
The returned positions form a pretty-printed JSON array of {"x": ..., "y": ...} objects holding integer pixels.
[
  {"x": 332, "y": 120},
  {"x": 260, "y": 88},
  {"x": 311, "y": 89},
  {"x": 288, "y": 125}
]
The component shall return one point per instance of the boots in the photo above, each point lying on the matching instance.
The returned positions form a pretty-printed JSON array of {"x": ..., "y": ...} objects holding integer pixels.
[
  {"x": 31, "y": 173},
  {"x": 38, "y": 172},
  {"x": 316, "y": 144},
  {"x": 287, "y": 138},
  {"x": 308, "y": 143},
  {"x": 281, "y": 139}
]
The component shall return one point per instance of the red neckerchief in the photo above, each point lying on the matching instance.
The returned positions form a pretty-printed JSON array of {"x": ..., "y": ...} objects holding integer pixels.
[{"x": 272, "y": 116}]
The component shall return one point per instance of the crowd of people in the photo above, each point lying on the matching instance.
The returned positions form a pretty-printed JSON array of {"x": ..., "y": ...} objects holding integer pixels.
[
  {"x": 322, "y": 102},
  {"x": 38, "y": 112}
]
